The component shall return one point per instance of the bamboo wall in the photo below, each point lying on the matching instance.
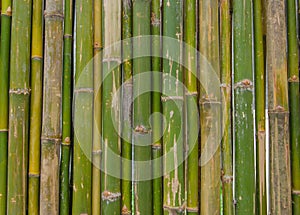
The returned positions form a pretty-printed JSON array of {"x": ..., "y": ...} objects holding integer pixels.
[{"x": 149, "y": 107}]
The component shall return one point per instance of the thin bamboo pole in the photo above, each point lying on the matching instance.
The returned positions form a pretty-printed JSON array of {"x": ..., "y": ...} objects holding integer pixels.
[
  {"x": 126, "y": 106},
  {"x": 278, "y": 108},
  {"x": 156, "y": 107},
  {"x": 209, "y": 106},
  {"x": 294, "y": 98},
  {"x": 172, "y": 100},
  {"x": 227, "y": 168},
  {"x": 64, "y": 200},
  {"x": 141, "y": 22},
  {"x": 96, "y": 172},
  {"x": 111, "y": 184},
  {"x": 83, "y": 110},
  {"x": 19, "y": 108},
  {"x": 192, "y": 114},
  {"x": 35, "y": 107},
  {"x": 243, "y": 102},
  {"x": 4, "y": 88},
  {"x": 52, "y": 93},
  {"x": 259, "y": 67}
]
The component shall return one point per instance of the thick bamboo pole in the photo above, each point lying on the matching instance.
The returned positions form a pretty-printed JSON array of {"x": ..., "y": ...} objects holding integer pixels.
[
  {"x": 126, "y": 106},
  {"x": 52, "y": 93},
  {"x": 96, "y": 172},
  {"x": 192, "y": 114},
  {"x": 278, "y": 108},
  {"x": 64, "y": 200},
  {"x": 259, "y": 67},
  {"x": 83, "y": 110},
  {"x": 294, "y": 98},
  {"x": 111, "y": 184},
  {"x": 4, "y": 88},
  {"x": 225, "y": 51},
  {"x": 243, "y": 104},
  {"x": 19, "y": 108},
  {"x": 141, "y": 22},
  {"x": 172, "y": 100},
  {"x": 209, "y": 106},
  {"x": 35, "y": 107},
  {"x": 156, "y": 107}
]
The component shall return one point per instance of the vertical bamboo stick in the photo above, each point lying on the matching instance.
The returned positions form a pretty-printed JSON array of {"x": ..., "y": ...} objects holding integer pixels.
[
  {"x": 111, "y": 185},
  {"x": 35, "y": 107},
  {"x": 126, "y": 105},
  {"x": 52, "y": 93},
  {"x": 243, "y": 105},
  {"x": 227, "y": 168},
  {"x": 4, "y": 88},
  {"x": 64, "y": 200},
  {"x": 209, "y": 106},
  {"x": 96, "y": 172},
  {"x": 142, "y": 108},
  {"x": 172, "y": 100},
  {"x": 83, "y": 110},
  {"x": 192, "y": 114},
  {"x": 278, "y": 107},
  {"x": 19, "y": 108},
  {"x": 156, "y": 107},
  {"x": 260, "y": 108},
  {"x": 294, "y": 98}
]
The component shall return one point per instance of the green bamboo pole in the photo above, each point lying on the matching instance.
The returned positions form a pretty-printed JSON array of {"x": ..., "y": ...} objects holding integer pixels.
[
  {"x": 126, "y": 104},
  {"x": 4, "y": 85},
  {"x": 294, "y": 98},
  {"x": 111, "y": 184},
  {"x": 227, "y": 168},
  {"x": 172, "y": 100},
  {"x": 96, "y": 172},
  {"x": 142, "y": 108},
  {"x": 52, "y": 93},
  {"x": 243, "y": 102},
  {"x": 192, "y": 115},
  {"x": 35, "y": 107},
  {"x": 278, "y": 108},
  {"x": 83, "y": 110},
  {"x": 19, "y": 108},
  {"x": 259, "y": 67},
  {"x": 209, "y": 106},
  {"x": 156, "y": 107},
  {"x": 64, "y": 197}
]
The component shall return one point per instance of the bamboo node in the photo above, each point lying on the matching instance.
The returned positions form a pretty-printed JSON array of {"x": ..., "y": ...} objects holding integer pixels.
[
  {"x": 8, "y": 11},
  {"x": 209, "y": 99},
  {"x": 142, "y": 129},
  {"x": 156, "y": 146},
  {"x": 191, "y": 209},
  {"x": 125, "y": 211},
  {"x": 244, "y": 84},
  {"x": 154, "y": 21},
  {"x": 20, "y": 91},
  {"x": 293, "y": 79},
  {"x": 53, "y": 14},
  {"x": 174, "y": 208},
  {"x": 97, "y": 152},
  {"x": 3, "y": 130},
  {"x": 84, "y": 90},
  {"x": 109, "y": 196},
  {"x": 68, "y": 36},
  {"x": 191, "y": 93},
  {"x": 34, "y": 175},
  {"x": 166, "y": 98},
  {"x": 55, "y": 139},
  {"x": 36, "y": 57},
  {"x": 278, "y": 109},
  {"x": 224, "y": 85},
  {"x": 226, "y": 179},
  {"x": 296, "y": 192},
  {"x": 98, "y": 45}
]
